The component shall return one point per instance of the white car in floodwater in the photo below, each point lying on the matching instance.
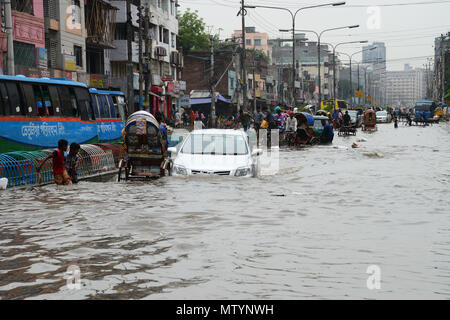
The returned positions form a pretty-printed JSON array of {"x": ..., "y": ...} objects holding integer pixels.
[
  {"x": 224, "y": 152},
  {"x": 383, "y": 116}
]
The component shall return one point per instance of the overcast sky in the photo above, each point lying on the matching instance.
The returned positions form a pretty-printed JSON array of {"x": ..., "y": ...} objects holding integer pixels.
[{"x": 408, "y": 28}]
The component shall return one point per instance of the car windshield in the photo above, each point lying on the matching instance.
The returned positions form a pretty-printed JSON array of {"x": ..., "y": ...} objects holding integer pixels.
[
  {"x": 381, "y": 113},
  {"x": 215, "y": 144}
]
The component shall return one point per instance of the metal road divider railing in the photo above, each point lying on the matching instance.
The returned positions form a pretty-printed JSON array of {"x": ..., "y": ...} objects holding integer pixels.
[{"x": 19, "y": 167}]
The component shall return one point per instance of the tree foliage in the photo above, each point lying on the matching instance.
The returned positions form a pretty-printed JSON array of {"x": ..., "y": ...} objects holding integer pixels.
[{"x": 191, "y": 32}]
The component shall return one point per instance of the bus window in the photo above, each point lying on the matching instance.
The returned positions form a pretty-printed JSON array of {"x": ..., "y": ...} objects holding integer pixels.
[
  {"x": 41, "y": 109},
  {"x": 84, "y": 103},
  {"x": 29, "y": 97},
  {"x": 104, "y": 107},
  {"x": 4, "y": 104},
  {"x": 14, "y": 99},
  {"x": 122, "y": 107},
  {"x": 64, "y": 96},
  {"x": 47, "y": 101},
  {"x": 95, "y": 106},
  {"x": 74, "y": 104},
  {"x": 112, "y": 107},
  {"x": 55, "y": 99}
]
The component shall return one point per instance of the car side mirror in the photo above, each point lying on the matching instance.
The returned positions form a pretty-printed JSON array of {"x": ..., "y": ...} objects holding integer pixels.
[
  {"x": 172, "y": 150},
  {"x": 257, "y": 153}
]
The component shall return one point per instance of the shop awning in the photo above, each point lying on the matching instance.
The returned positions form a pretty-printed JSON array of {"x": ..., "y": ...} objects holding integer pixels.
[{"x": 194, "y": 101}]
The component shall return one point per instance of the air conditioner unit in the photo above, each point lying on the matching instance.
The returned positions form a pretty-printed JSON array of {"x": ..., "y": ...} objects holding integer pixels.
[{"x": 160, "y": 51}]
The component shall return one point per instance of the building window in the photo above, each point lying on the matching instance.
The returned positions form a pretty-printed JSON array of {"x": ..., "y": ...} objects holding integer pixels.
[
  {"x": 22, "y": 6},
  {"x": 172, "y": 7},
  {"x": 166, "y": 36},
  {"x": 121, "y": 31},
  {"x": 78, "y": 55},
  {"x": 76, "y": 11},
  {"x": 173, "y": 39},
  {"x": 257, "y": 42},
  {"x": 248, "y": 42},
  {"x": 24, "y": 54}
]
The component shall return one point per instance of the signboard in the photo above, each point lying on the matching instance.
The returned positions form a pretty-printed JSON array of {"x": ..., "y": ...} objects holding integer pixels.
[
  {"x": 167, "y": 78},
  {"x": 70, "y": 63},
  {"x": 70, "y": 75},
  {"x": 184, "y": 101},
  {"x": 42, "y": 57},
  {"x": 359, "y": 94},
  {"x": 369, "y": 98},
  {"x": 375, "y": 102},
  {"x": 44, "y": 73},
  {"x": 170, "y": 87},
  {"x": 99, "y": 81},
  {"x": 182, "y": 85},
  {"x": 136, "y": 81},
  {"x": 176, "y": 87}
]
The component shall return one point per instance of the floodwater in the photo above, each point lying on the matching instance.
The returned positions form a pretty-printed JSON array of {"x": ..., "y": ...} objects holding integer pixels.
[{"x": 310, "y": 231}]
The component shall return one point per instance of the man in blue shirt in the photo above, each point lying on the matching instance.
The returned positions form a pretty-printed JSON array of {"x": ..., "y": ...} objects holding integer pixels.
[{"x": 327, "y": 134}]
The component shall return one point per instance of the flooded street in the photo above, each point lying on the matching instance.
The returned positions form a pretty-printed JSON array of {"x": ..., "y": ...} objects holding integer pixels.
[{"x": 310, "y": 231}]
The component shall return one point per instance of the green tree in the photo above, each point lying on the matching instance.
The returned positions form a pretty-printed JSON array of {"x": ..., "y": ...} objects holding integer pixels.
[{"x": 191, "y": 32}]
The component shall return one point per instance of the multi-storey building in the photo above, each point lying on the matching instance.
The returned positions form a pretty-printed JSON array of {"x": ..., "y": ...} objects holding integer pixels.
[
  {"x": 306, "y": 57},
  {"x": 404, "y": 88},
  {"x": 226, "y": 63},
  {"x": 28, "y": 36},
  {"x": 441, "y": 66},
  {"x": 375, "y": 56},
  {"x": 65, "y": 38},
  {"x": 254, "y": 39},
  {"x": 87, "y": 41},
  {"x": 164, "y": 62}
]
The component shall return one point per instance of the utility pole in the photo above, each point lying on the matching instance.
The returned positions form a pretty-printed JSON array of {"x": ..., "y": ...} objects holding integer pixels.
[
  {"x": 318, "y": 73},
  {"x": 130, "y": 89},
  {"x": 238, "y": 78},
  {"x": 359, "y": 102},
  {"x": 9, "y": 35},
  {"x": 243, "y": 13},
  {"x": 365, "y": 85},
  {"x": 141, "y": 76},
  {"x": 147, "y": 56},
  {"x": 254, "y": 83},
  {"x": 213, "y": 89},
  {"x": 443, "y": 68}
]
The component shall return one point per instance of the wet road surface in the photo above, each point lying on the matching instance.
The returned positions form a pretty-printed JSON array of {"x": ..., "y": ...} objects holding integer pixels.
[{"x": 309, "y": 231}]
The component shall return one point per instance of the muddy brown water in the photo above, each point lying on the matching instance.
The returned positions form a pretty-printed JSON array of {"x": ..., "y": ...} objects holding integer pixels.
[{"x": 309, "y": 231}]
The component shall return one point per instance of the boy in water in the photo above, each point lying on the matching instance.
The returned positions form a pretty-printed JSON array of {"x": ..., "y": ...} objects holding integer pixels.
[
  {"x": 59, "y": 171},
  {"x": 71, "y": 161}
]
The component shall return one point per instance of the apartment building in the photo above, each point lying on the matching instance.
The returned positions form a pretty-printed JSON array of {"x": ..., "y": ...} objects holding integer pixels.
[
  {"x": 254, "y": 40},
  {"x": 28, "y": 35},
  {"x": 404, "y": 88}
]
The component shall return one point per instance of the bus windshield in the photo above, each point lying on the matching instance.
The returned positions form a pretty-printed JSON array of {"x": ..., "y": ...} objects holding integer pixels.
[{"x": 423, "y": 107}]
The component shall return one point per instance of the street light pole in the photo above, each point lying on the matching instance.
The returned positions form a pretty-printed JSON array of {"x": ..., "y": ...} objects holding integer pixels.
[
  {"x": 318, "y": 53},
  {"x": 334, "y": 63},
  {"x": 350, "y": 58},
  {"x": 293, "y": 16}
]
